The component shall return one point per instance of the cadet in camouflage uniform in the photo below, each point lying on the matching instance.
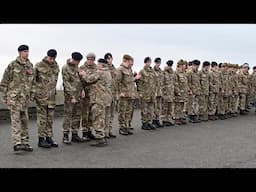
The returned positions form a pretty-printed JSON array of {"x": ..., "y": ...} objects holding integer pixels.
[
  {"x": 168, "y": 94},
  {"x": 180, "y": 92},
  {"x": 146, "y": 89},
  {"x": 188, "y": 68},
  {"x": 73, "y": 92},
  {"x": 16, "y": 87},
  {"x": 234, "y": 106},
  {"x": 194, "y": 92},
  {"x": 108, "y": 83},
  {"x": 108, "y": 57},
  {"x": 89, "y": 67},
  {"x": 243, "y": 88},
  {"x": 214, "y": 84},
  {"x": 159, "y": 98},
  {"x": 204, "y": 95},
  {"x": 45, "y": 80},
  {"x": 125, "y": 86},
  {"x": 248, "y": 94},
  {"x": 253, "y": 86},
  {"x": 134, "y": 97},
  {"x": 100, "y": 98}
]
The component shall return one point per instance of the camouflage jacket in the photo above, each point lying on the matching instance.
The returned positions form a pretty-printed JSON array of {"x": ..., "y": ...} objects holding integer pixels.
[
  {"x": 125, "y": 81},
  {"x": 89, "y": 69},
  {"x": 214, "y": 82},
  {"x": 112, "y": 70},
  {"x": 225, "y": 83},
  {"x": 168, "y": 84},
  {"x": 16, "y": 84},
  {"x": 100, "y": 90},
  {"x": 253, "y": 83},
  {"x": 158, "y": 81},
  {"x": 146, "y": 85},
  {"x": 243, "y": 83},
  {"x": 45, "y": 80},
  {"x": 71, "y": 81},
  {"x": 193, "y": 82},
  {"x": 204, "y": 82},
  {"x": 180, "y": 86}
]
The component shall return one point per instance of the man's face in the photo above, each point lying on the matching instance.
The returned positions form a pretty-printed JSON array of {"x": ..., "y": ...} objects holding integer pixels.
[
  {"x": 50, "y": 59},
  {"x": 148, "y": 64},
  {"x": 195, "y": 67},
  {"x": 131, "y": 63},
  {"x": 90, "y": 60},
  {"x": 24, "y": 54},
  {"x": 75, "y": 62},
  {"x": 206, "y": 68},
  {"x": 245, "y": 69},
  {"x": 157, "y": 65},
  {"x": 110, "y": 60},
  {"x": 99, "y": 66}
]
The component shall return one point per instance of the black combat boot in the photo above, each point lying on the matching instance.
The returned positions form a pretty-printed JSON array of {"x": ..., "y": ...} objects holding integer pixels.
[
  {"x": 192, "y": 118},
  {"x": 111, "y": 135},
  {"x": 51, "y": 142},
  {"x": 129, "y": 131},
  {"x": 76, "y": 138},
  {"x": 159, "y": 124},
  {"x": 66, "y": 139},
  {"x": 145, "y": 126},
  {"x": 91, "y": 136},
  {"x": 154, "y": 122},
  {"x": 100, "y": 143},
  {"x": 42, "y": 143},
  {"x": 86, "y": 136},
  {"x": 123, "y": 131},
  {"x": 151, "y": 126},
  {"x": 27, "y": 147},
  {"x": 18, "y": 147}
]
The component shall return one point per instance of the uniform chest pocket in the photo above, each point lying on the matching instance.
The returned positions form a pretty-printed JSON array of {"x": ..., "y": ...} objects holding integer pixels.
[{"x": 17, "y": 74}]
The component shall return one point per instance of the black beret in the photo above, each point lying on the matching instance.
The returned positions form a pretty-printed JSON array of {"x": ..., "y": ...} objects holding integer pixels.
[
  {"x": 214, "y": 64},
  {"x": 206, "y": 63},
  {"x": 22, "y": 48},
  {"x": 254, "y": 67},
  {"x": 196, "y": 62},
  {"x": 77, "y": 56},
  {"x": 157, "y": 60},
  {"x": 169, "y": 62},
  {"x": 108, "y": 56},
  {"x": 102, "y": 61},
  {"x": 220, "y": 65},
  {"x": 147, "y": 59},
  {"x": 52, "y": 53}
]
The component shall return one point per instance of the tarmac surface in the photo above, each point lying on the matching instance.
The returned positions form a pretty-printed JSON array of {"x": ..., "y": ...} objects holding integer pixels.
[{"x": 229, "y": 143}]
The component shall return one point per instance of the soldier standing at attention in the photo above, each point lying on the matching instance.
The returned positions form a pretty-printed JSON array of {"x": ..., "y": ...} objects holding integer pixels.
[
  {"x": 73, "y": 93},
  {"x": 147, "y": 90},
  {"x": 168, "y": 94},
  {"x": 16, "y": 87},
  {"x": 180, "y": 92},
  {"x": 159, "y": 95},
  {"x": 108, "y": 57},
  {"x": 125, "y": 86},
  {"x": 45, "y": 80},
  {"x": 194, "y": 92}
]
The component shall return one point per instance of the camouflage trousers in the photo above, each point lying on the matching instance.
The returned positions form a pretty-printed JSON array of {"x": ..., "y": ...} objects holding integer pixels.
[
  {"x": 125, "y": 106},
  {"x": 45, "y": 117},
  {"x": 110, "y": 111},
  {"x": 212, "y": 103},
  {"x": 242, "y": 101},
  {"x": 86, "y": 115},
  {"x": 147, "y": 110},
  {"x": 98, "y": 118},
  {"x": 19, "y": 126},
  {"x": 203, "y": 106},
  {"x": 72, "y": 116},
  {"x": 193, "y": 105},
  {"x": 157, "y": 108},
  {"x": 233, "y": 104},
  {"x": 130, "y": 112},
  {"x": 179, "y": 110},
  {"x": 248, "y": 100},
  {"x": 167, "y": 112},
  {"x": 222, "y": 104}
]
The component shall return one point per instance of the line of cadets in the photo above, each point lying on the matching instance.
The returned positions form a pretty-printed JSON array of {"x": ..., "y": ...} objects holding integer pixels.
[{"x": 92, "y": 92}]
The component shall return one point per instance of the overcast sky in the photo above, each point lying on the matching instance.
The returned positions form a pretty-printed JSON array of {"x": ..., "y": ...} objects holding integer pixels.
[{"x": 234, "y": 43}]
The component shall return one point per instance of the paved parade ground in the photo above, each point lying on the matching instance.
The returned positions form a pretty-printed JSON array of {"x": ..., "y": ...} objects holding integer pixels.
[{"x": 227, "y": 143}]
